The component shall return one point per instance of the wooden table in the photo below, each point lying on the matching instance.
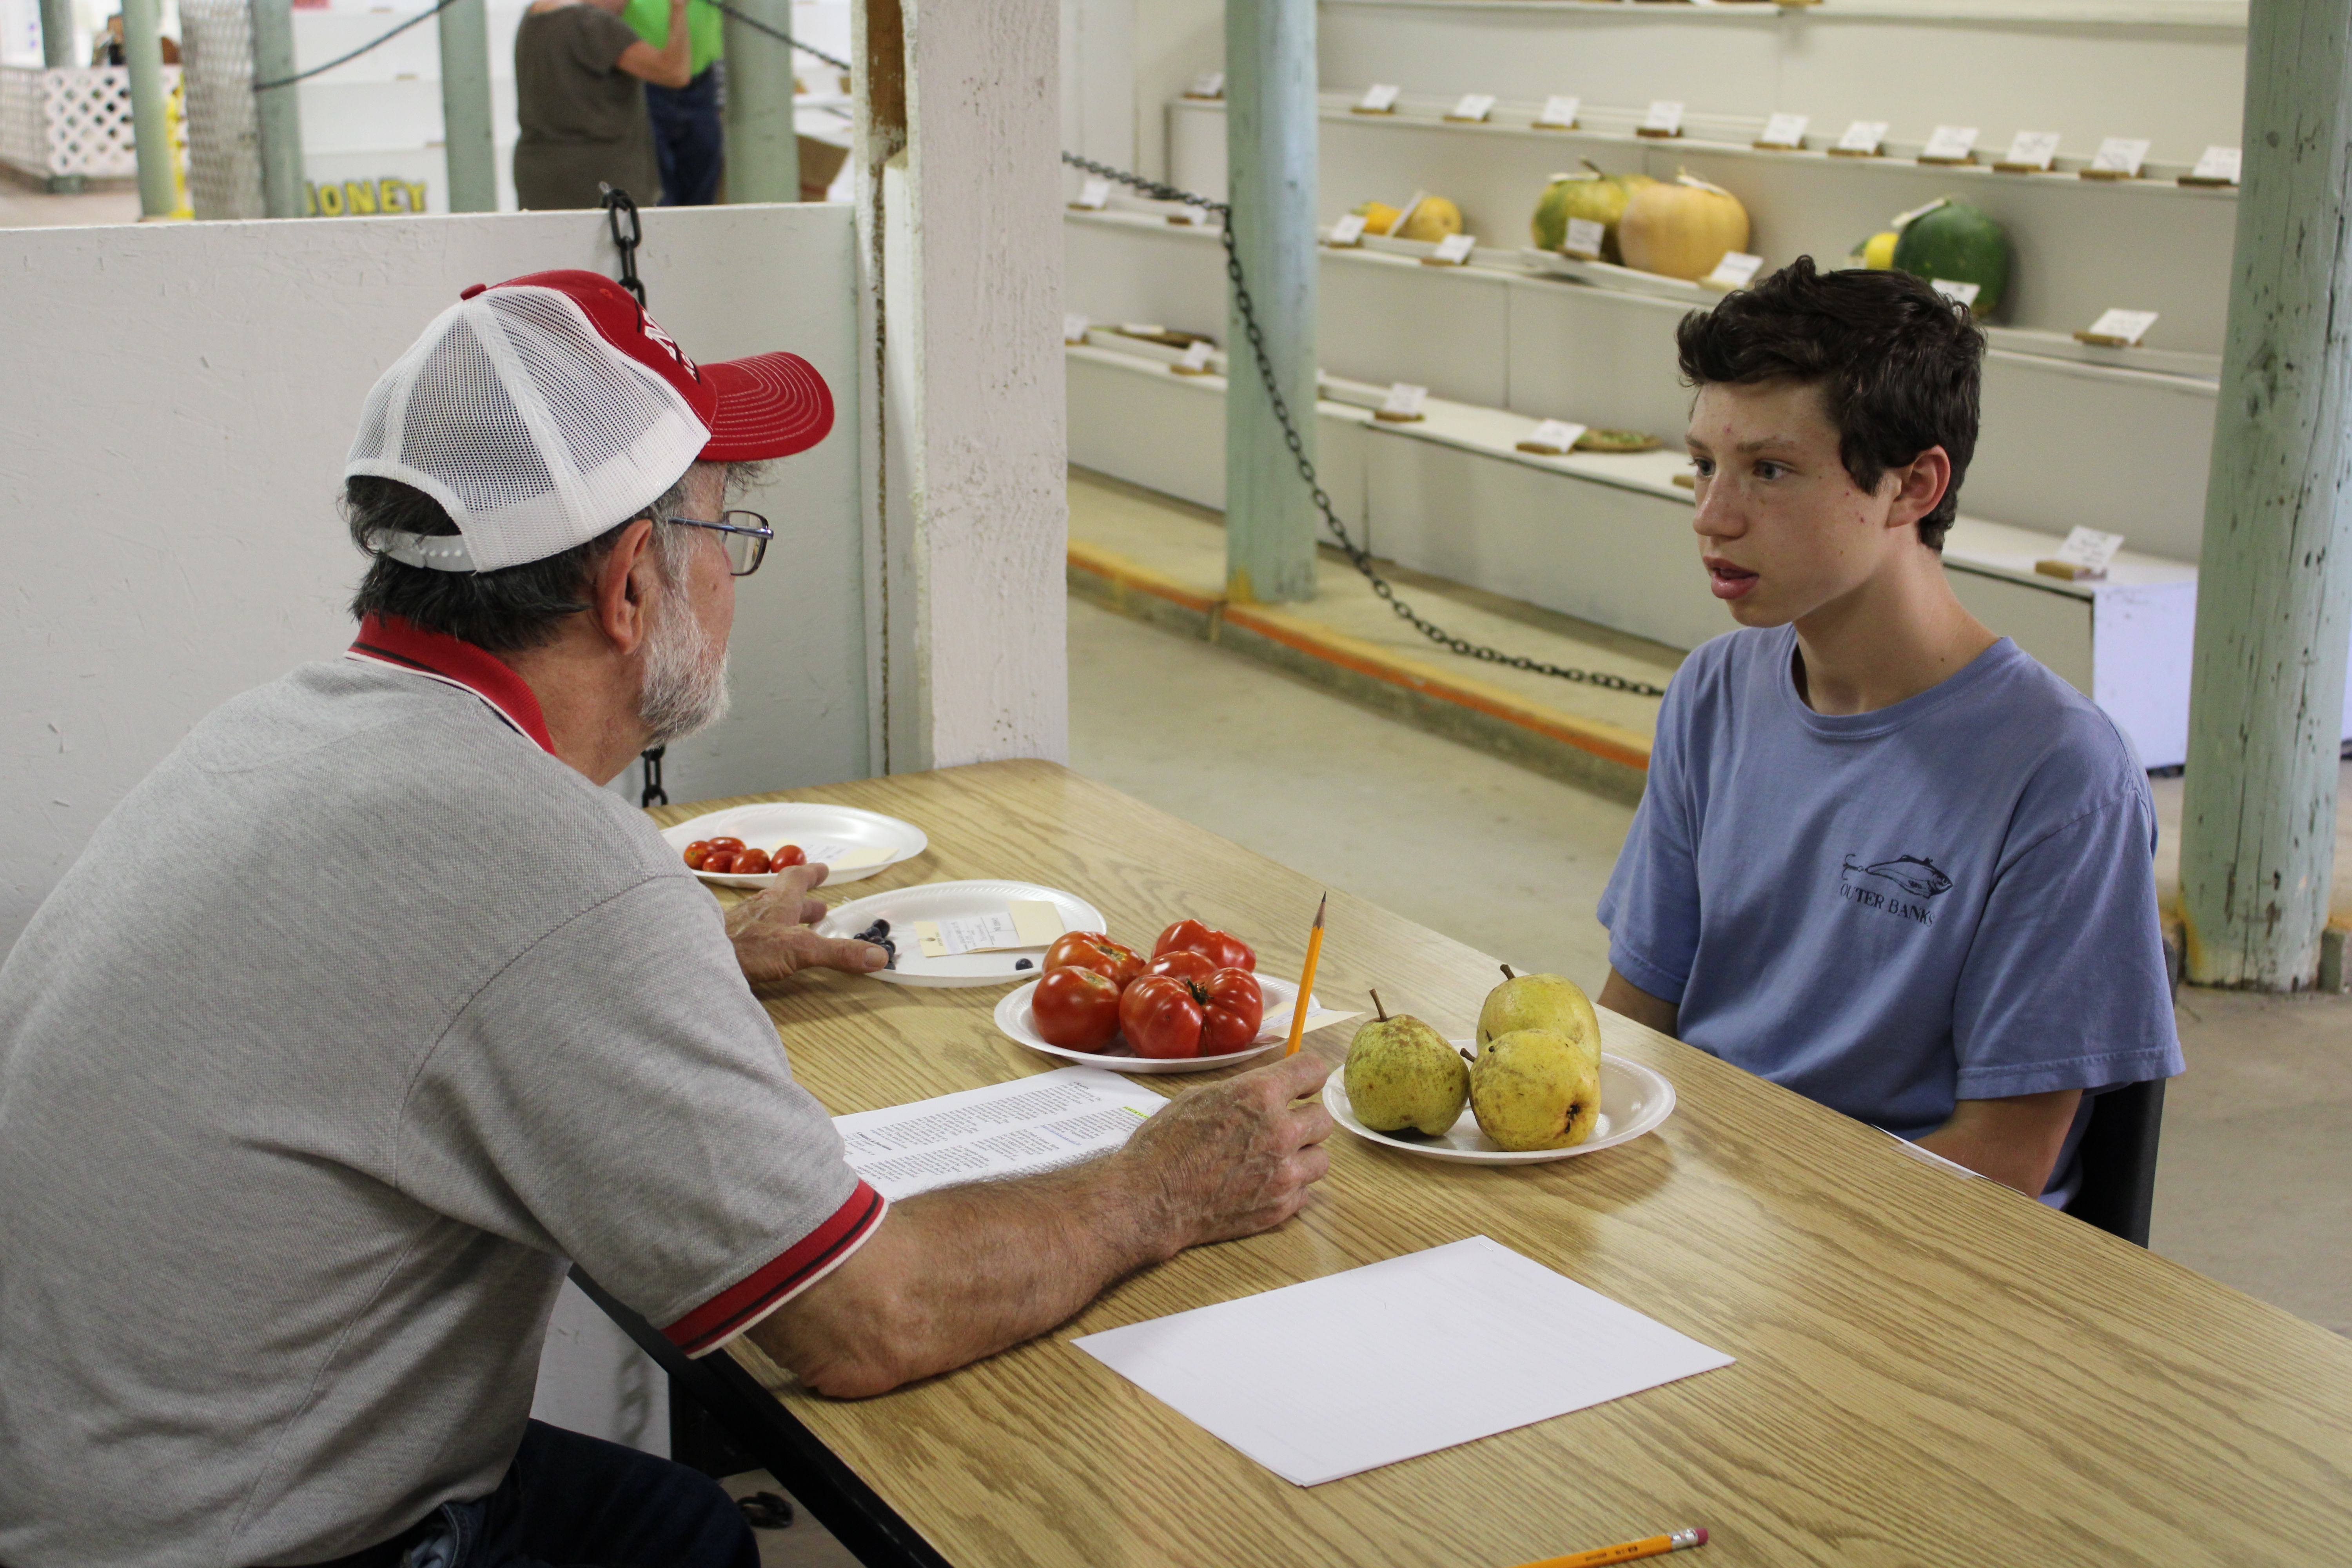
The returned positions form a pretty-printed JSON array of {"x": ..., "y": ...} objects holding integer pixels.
[{"x": 1931, "y": 1369}]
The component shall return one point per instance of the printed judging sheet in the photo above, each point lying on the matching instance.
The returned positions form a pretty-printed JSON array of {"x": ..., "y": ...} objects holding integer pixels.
[{"x": 1039, "y": 1123}]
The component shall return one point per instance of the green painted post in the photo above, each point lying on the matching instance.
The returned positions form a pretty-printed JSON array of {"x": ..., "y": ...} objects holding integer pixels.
[
  {"x": 1270, "y": 137},
  {"x": 466, "y": 135},
  {"x": 277, "y": 114},
  {"x": 151, "y": 112},
  {"x": 2274, "y": 580},
  {"x": 763, "y": 150},
  {"x": 58, "y": 39}
]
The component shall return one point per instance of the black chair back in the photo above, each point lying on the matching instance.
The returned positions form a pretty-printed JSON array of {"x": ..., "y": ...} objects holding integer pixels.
[{"x": 2118, "y": 1155}]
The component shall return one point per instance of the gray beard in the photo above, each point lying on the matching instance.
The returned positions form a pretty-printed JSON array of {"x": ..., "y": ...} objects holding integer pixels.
[{"x": 686, "y": 677}]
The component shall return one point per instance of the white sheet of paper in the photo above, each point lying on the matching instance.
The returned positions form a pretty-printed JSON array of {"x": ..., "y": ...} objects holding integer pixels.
[
  {"x": 1455, "y": 247},
  {"x": 2129, "y": 325},
  {"x": 1074, "y": 327},
  {"x": 2217, "y": 164},
  {"x": 2090, "y": 549},
  {"x": 1557, "y": 434},
  {"x": 1785, "y": 130},
  {"x": 1025, "y": 924},
  {"x": 1585, "y": 238},
  {"x": 1665, "y": 115},
  {"x": 1950, "y": 142},
  {"x": 2033, "y": 149},
  {"x": 1208, "y": 84},
  {"x": 1863, "y": 136},
  {"x": 1735, "y": 269},
  {"x": 1012, "y": 1128},
  {"x": 1348, "y": 230},
  {"x": 1404, "y": 398},
  {"x": 1380, "y": 95},
  {"x": 1560, "y": 110},
  {"x": 1094, "y": 194},
  {"x": 1498, "y": 1341},
  {"x": 1473, "y": 106},
  {"x": 849, "y": 856},
  {"x": 2120, "y": 155},
  {"x": 1955, "y": 290}
]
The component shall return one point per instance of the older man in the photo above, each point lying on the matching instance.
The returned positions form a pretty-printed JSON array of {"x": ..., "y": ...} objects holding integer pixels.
[{"x": 369, "y": 1008}]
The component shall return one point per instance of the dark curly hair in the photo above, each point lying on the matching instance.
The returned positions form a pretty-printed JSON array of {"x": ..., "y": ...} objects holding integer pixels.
[{"x": 1898, "y": 365}]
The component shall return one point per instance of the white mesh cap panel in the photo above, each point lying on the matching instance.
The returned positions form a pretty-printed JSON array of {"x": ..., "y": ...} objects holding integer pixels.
[{"x": 529, "y": 430}]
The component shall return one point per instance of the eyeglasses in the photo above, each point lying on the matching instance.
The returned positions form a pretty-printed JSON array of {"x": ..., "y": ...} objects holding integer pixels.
[{"x": 744, "y": 533}]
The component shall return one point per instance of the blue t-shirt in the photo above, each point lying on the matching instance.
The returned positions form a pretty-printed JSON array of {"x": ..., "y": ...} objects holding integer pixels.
[{"x": 1951, "y": 899}]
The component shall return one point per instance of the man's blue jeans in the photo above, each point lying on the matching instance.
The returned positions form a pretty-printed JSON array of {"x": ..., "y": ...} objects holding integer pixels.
[
  {"x": 689, "y": 143},
  {"x": 571, "y": 1501}
]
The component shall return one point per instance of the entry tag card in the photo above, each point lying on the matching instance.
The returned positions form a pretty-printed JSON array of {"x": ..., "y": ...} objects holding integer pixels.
[
  {"x": 1379, "y": 99},
  {"x": 2118, "y": 158},
  {"x": 1957, "y": 292},
  {"x": 2118, "y": 329},
  {"x": 1862, "y": 138},
  {"x": 1560, "y": 112},
  {"x": 2029, "y": 151},
  {"x": 1094, "y": 194},
  {"x": 2216, "y": 166},
  {"x": 1196, "y": 358},
  {"x": 2090, "y": 549},
  {"x": 1584, "y": 239},
  {"x": 1784, "y": 132},
  {"x": 1552, "y": 438},
  {"x": 1208, "y": 84},
  {"x": 1664, "y": 118},
  {"x": 1734, "y": 271},
  {"x": 1403, "y": 402},
  {"x": 1026, "y": 922},
  {"x": 1454, "y": 250},
  {"x": 1472, "y": 108},
  {"x": 1073, "y": 328},
  {"x": 1950, "y": 144},
  {"x": 1349, "y": 230},
  {"x": 847, "y": 857}
]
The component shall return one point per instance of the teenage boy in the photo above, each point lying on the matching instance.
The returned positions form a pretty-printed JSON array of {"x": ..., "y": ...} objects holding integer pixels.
[{"x": 1884, "y": 858}]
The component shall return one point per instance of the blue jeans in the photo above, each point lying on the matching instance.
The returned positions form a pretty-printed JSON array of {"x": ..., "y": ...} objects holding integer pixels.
[
  {"x": 581, "y": 1502},
  {"x": 687, "y": 142}
]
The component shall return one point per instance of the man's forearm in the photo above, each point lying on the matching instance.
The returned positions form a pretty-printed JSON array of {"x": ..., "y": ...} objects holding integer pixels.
[{"x": 2015, "y": 1141}]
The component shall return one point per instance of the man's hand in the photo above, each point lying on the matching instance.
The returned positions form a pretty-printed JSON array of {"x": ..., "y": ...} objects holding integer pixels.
[
  {"x": 774, "y": 933},
  {"x": 1231, "y": 1159}
]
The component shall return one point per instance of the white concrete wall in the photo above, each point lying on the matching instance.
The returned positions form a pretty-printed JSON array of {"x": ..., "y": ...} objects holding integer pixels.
[{"x": 175, "y": 414}]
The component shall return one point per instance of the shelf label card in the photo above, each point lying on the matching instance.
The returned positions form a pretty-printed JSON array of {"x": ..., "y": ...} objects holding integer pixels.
[
  {"x": 2090, "y": 549},
  {"x": 2125, "y": 327},
  {"x": 1472, "y": 106},
  {"x": 1735, "y": 271},
  {"x": 2033, "y": 149},
  {"x": 2120, "y": 155},
  {"x": 1903, "y": 220},
  {"x": 1094, "y": 194},
  {"x": 1187, "y": 213},
  {"x": 1785, "y": 130},
  {"x": 1863, "y": 136},
  {"x": 1585, "y": 238},
  {"x": 1454, "y": 248},
  {"x": 1208, "y": 84},
  {"x": 1957, "y": 292},
  {"x": 1379, "y": 98},
  {"x": 1559, "y": 111},
  {"x": 1074, "y": 327},
  {"x": 1955, "y": 143},
  {"x": 1196, "y": 355},
  {"x": 1665, "y": 117},
  {"x": 1553, "y": 436},
  {"x": 2217, "y": 164},
  {"x": 1404, "y": 400},
  {"x": 1348, "y": 230}
]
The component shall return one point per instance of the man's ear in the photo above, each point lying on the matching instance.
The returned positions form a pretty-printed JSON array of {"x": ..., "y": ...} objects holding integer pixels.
[
  {"x": 1919, "y": 487},
  {"x": 620, "y": 593}
]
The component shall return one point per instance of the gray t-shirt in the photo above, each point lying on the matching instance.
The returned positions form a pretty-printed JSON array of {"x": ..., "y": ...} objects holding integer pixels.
[{"x": 359, "y": 1017}]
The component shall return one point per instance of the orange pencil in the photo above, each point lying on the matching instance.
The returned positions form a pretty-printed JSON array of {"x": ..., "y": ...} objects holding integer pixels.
[
  {"x": 1655, "y": 1546},
  {"x": 1307, "y": 981}
]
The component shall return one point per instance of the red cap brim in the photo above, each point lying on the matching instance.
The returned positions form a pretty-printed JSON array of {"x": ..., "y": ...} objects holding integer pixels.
[{"x": 769, "y": 406}]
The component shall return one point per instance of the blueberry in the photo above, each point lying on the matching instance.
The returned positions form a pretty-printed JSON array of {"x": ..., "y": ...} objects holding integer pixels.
[{"x": 1023, "y": 964}]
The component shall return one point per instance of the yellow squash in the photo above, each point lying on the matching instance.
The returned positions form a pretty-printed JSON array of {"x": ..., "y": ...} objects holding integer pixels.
[{"x": 1682, "y": 229}]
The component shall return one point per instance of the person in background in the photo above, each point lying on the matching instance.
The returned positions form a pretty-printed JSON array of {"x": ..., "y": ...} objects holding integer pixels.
[
  {"x": 581, "y": 110},
  {"x": 688, "y": 144}
]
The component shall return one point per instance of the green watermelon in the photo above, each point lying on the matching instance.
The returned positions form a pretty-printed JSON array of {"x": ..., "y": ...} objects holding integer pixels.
[{"x": 1958, "y": 243}]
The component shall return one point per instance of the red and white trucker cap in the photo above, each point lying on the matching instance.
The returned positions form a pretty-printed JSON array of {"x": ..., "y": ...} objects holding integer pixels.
[{"x": 545, "y": 410}]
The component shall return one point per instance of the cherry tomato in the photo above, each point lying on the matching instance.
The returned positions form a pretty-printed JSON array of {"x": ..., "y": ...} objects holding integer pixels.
[
  {"x": 695, "y": 852},
  {"x": 1192, "y": 936},
  {"x": 787, "y": 855},
  {"x": 1093, "y": 949},
  {"x": 1075, "y": 1009},
  {"x": 1164, "y": 1016},
  {"x": 751, "y": 862},
  {"x": 726, "y": 844},
  {"x": 718, "y": 862},
  {"x": 1183, "y": 965}
]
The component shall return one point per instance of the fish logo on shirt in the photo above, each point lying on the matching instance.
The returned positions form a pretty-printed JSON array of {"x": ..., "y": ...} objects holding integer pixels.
[{"x": 1914, "y": 875}]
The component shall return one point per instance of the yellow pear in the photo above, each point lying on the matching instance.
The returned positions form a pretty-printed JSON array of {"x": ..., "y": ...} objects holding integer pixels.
[
  {"x": 1431, "y": 219},
  {"x": 1401, "y": 1073},
  {"x": 1540, "y": 1002},
  {"x": 1535, "y": 1088}
]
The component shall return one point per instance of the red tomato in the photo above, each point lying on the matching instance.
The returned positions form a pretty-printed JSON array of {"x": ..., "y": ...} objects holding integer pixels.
[
  {"x": 1093, "y": 949},
  {"x": 1075, "y": 1009},
  {"x": 1192, "y": 936},
  {"x": 1165, "y": 1017},
  {"x": 718, "y": 862},
  {"x": 751, "y": 862},
  {"x": 695, "y": 852},
  {"x": 787, "y": 855},
  {"x": 1182, "y": 966},
  {"x": 726, "y": 844}
]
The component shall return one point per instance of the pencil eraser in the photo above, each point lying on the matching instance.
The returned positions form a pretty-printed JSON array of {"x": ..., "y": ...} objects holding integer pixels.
[{"x": 1702, "y": 1535}]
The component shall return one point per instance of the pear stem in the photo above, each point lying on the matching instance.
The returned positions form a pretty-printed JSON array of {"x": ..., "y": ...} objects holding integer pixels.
[
  {"x": 1378, "y": 1008},
  {"x": 1507, "y": 972}
]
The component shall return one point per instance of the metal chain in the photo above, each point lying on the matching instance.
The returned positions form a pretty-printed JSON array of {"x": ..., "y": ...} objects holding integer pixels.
[
  {"x": 1358, "y": 556},
  {"x": 379, "y": 40},
  {"x": 617, "y": 204}
]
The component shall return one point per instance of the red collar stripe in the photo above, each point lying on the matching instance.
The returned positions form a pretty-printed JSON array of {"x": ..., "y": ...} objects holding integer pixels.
[
  {"x": 390, "y": 640},
  {"x": 794, "y": 1270}
]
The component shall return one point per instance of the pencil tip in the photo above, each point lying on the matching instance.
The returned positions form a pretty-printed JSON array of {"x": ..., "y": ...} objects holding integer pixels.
[{"x": 1319, "y": 905}]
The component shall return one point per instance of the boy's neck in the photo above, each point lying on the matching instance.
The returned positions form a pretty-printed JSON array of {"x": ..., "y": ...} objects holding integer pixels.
[{"x": 1898, "y": 634}]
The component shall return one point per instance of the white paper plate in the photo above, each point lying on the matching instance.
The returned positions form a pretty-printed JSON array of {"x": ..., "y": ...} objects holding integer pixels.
[
  {"x": 949, "y": 901},
  {"x": 1014, "y": 1017},
  {"x": 766, "y": 825},
  {"x": 1633, "y": 1101}
]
